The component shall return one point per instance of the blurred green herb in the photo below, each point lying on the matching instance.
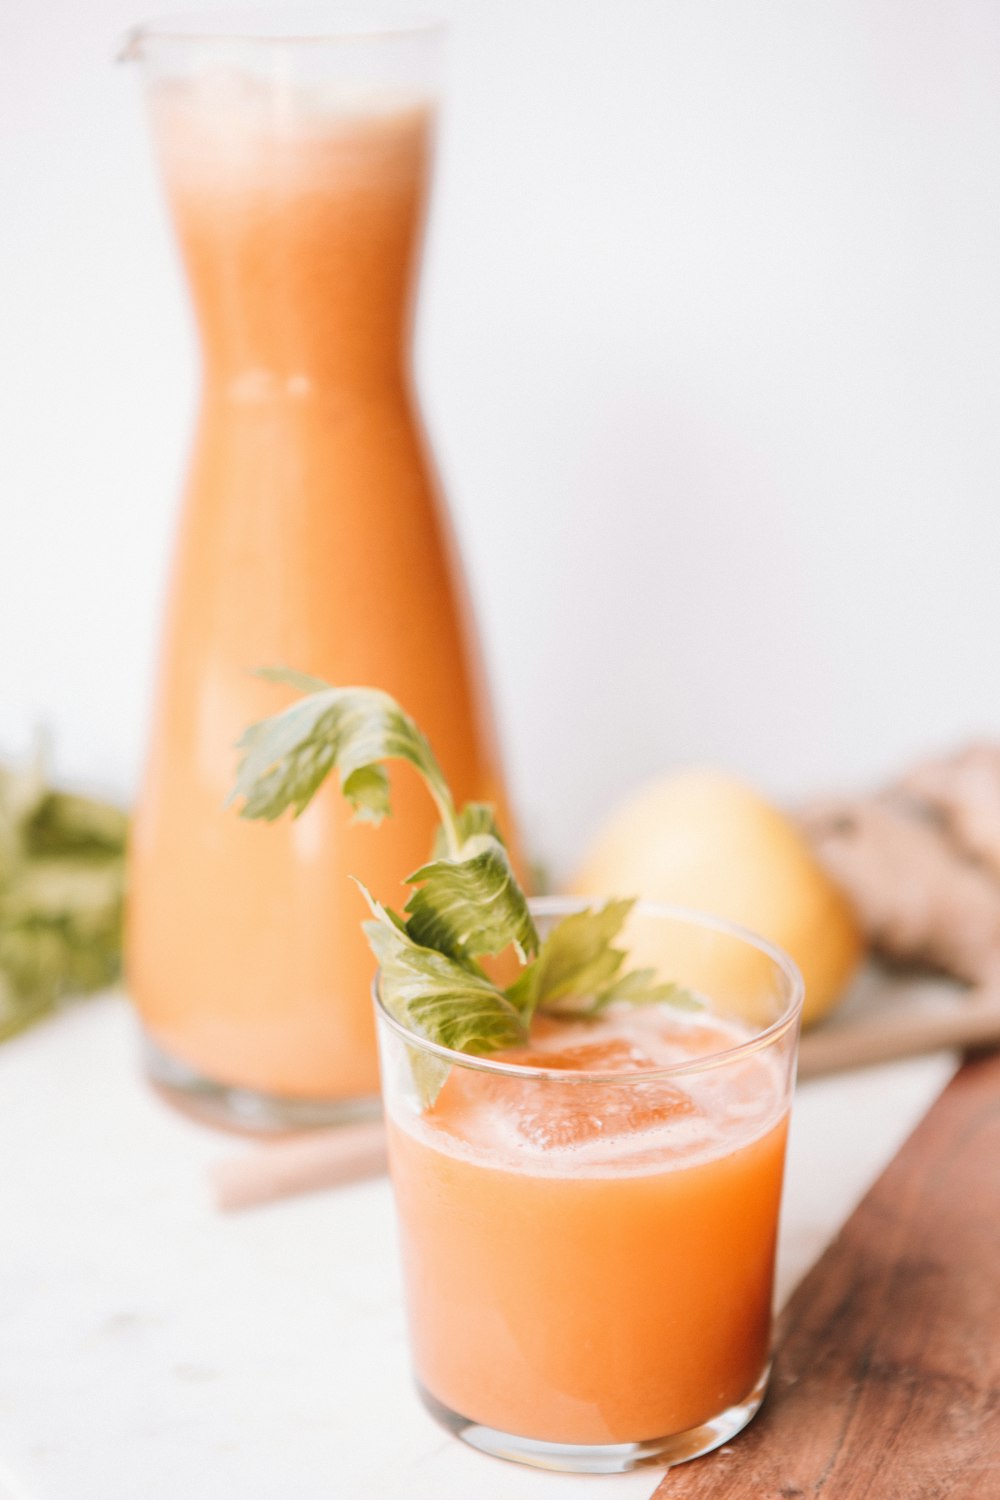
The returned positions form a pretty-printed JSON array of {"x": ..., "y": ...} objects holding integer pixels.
[{"x": 61, "y": 894}]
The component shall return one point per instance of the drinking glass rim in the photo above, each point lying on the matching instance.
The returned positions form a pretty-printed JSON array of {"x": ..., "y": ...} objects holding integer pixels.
[
  {"x": 250, "y": 26},
  {"x": 564, "y": 906}
]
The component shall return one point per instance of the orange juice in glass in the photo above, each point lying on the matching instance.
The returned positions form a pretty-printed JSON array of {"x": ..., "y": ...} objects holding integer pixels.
[
  {"x": 296, "y": 166},
  {"x": 588, "y": 1223}
]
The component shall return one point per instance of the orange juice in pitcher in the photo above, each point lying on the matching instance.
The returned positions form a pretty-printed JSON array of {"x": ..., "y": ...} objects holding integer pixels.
[{"x": 296, "y": 171}]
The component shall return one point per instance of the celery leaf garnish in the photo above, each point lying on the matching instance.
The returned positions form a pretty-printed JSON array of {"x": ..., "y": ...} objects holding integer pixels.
[
  {"x": 471, "y": 905},
  {"x": 466, "y": 903},
  {"x": 431, "y": 994},
  {"x": 473, "y": 818},
  {"x": 352, "y": 730},
  {"x": 576, "y": 960},
  {"x": 578, "y": 970},
  {"x": 641, "y": 987}
]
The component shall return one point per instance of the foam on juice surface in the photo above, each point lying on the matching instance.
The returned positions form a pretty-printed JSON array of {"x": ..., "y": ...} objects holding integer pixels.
[
  {"x": 576, "y": 1124},
  {"x": 230, "y": 131}
]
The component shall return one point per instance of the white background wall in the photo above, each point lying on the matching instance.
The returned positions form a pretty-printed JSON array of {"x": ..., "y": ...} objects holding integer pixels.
[{"x": 710, "y": 349}]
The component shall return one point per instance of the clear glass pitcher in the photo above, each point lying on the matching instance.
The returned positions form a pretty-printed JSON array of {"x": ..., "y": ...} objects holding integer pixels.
[{"x": 297, "y": 170}]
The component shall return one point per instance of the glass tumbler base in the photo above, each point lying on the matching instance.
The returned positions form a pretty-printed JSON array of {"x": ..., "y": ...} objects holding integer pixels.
[
  {"x": 602, "y": 1458},
  {"x": 235, "y": 1108}
]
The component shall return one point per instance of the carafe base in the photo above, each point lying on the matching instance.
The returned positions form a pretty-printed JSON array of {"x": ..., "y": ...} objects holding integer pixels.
[{"x": 232, "y": 1108}]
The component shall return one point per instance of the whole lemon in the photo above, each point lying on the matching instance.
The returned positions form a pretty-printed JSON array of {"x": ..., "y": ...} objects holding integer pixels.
[{"x": 706, "y": 840}]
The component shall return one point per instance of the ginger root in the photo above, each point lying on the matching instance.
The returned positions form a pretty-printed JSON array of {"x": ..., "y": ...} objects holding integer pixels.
[
  {"x": 920, "y": 860},
  {"x": 963, "y": 791}
]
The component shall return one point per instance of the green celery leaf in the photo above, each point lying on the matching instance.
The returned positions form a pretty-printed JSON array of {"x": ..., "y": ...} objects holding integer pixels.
[
  {"x": 471, "y": 905},
  {"x": 287, "y": 756},
  {"x": 472, "y": 818},
  {"x": 437, "y": 998},
  {"x": 576, "y": 959},
  {"x": 641, "y": 987},
  {"x": 367, "y": 790},
  {"x": 578, "y": 969},
  {"x": 466, "y": 904},
  {"x": 303, "y": 682},
  {"x": 64, "y": 823},
  {"x": 61, "y": 896}
]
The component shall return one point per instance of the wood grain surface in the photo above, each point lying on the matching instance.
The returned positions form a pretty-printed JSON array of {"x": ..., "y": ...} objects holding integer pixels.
[
  {"x": 965, "y": 1020},
  {"x": 887, "y": 1374},
  {"x": 305, "y": 1163}
]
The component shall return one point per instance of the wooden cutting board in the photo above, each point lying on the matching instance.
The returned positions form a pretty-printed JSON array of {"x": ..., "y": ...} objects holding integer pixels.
[
  {"x": 888, "y": 1016},
  {"x": 887, "y": 1372}
]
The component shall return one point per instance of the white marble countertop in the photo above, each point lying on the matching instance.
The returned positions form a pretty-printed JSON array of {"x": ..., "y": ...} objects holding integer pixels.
[{"x": 152, "y": 1348}]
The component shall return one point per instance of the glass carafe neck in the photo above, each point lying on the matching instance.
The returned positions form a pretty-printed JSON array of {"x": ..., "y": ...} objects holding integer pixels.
[
  {"x": 299, "y": 231},
  {"x": 297, "y": 170}
]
